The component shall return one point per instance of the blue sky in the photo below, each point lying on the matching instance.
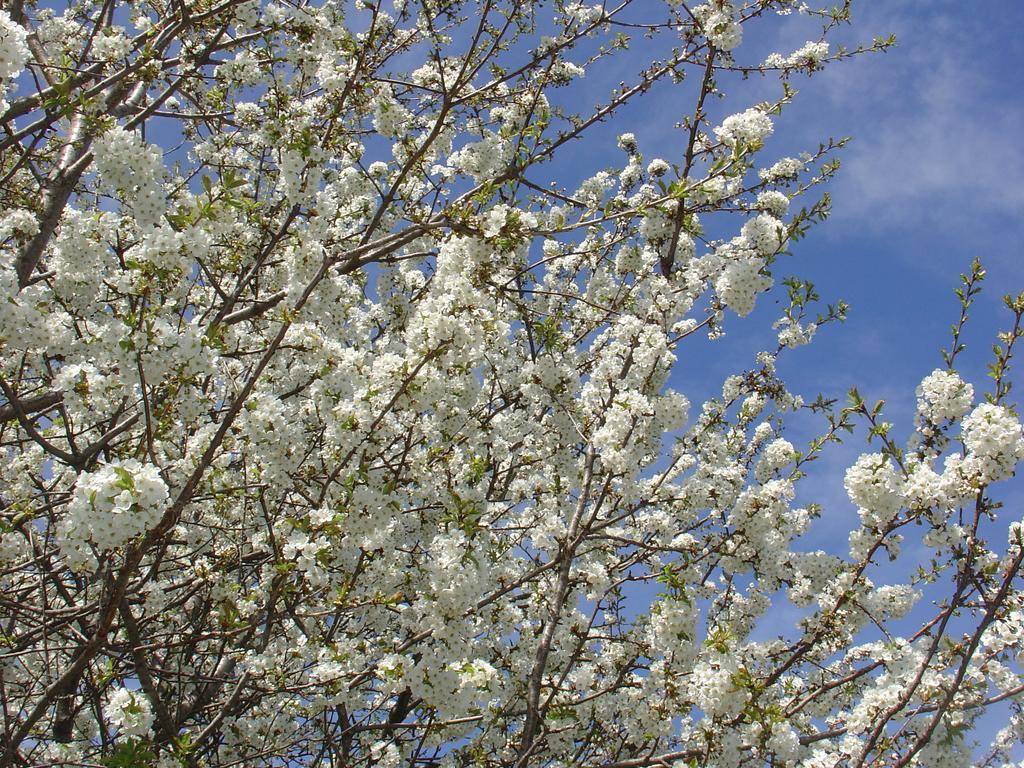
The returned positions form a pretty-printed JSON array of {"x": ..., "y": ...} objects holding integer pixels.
[{"x": 933, "y": 176}]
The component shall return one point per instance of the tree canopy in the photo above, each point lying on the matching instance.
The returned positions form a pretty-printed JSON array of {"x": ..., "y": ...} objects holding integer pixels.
[{"x": 337, "y": 420}]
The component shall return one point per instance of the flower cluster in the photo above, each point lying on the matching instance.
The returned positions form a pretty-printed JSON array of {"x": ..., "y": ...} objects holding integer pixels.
[
  {"x": 134, "y": 168},
  {"x": 719, "y": 24},
  {"x": 14, "y": 51},
  {"x": 111, "y": 506},
  {"x": 712, "y": 685},
  {"x": 765, "y": 233},
  {"x": 18, "y": 223},
  {"x": 740, "y": 283},
  {"x": 113, "y": 45},
  {"x": 784, "y": 169},
  {"x": 994, "y": 440},
  {"x": 943, "y": 395},
  {"x": 129, "y": 712},
  {"x": 792, "y": 333},
  {"x": 875, "y": 487},
  {"x": 774, "y": 202},
  {"x": 748, "y": 128},
  {"x": 585, "y": 14},
  {"x": 809, "y": 57},
  {"x": 777, "y": 454}
]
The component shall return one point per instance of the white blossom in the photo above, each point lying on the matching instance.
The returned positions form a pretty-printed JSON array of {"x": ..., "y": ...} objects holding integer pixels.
[
  {"x": 943, "y": 395},
  {"x": 773, "y": 202},
  {"x": 113, "y": 505},
  {"x": 718, "y": 22},
  {"x": 786, "y": 168},
  {"x": 130, "y": 712},
  {"x": 134, "y": 168},
  {"x": 747, "y": 128},
  {"x": 874, "y": 486},
  {"x": 994, "y": 440},
  {"x": 740, "y": 283},
  {"x": 14, "y": 52},
  {"x": 657, "y": 167}
]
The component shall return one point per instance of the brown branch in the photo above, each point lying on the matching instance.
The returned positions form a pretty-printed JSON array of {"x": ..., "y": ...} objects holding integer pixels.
[{"x": 29, "y": 405}]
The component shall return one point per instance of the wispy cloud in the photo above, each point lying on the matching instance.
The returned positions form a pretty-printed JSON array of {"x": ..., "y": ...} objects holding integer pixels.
[{"x": 943, "y": 138}]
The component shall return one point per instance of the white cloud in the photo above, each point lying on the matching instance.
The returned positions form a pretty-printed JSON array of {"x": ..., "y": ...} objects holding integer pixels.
[{"x": 938, "y": 134}]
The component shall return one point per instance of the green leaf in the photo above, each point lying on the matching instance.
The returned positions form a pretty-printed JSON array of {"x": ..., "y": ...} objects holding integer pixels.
[
  {"x": 132, "y": 753},
  {"x": 125, "y": 481}
]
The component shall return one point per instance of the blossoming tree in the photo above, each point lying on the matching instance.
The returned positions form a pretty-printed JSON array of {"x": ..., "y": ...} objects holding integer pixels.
[{"x": 336, "y": 434}]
